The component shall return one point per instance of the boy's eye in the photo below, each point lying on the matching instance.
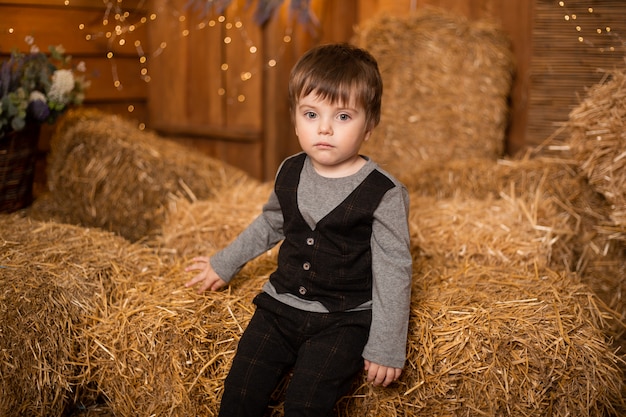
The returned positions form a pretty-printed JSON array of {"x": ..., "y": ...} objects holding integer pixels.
[
  {"x": 344, "y": 116},
  {"x": 309, "y": 115}
]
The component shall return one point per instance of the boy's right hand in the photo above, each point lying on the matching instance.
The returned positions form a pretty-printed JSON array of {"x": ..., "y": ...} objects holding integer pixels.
[{"x": 207, "y": 277}]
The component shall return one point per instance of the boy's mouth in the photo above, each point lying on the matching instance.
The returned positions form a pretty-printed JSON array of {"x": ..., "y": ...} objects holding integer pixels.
[{"x": 323, "y": 145}]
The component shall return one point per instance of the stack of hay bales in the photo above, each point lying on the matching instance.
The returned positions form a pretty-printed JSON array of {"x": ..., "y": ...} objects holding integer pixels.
[
  {"x": 446, "y": 87},
  {"x": 565, "y": 217},
  {"x": 104, "y": 172},
  {"x": 444, "y": 150},
  {"x": 481, "y": 336}
]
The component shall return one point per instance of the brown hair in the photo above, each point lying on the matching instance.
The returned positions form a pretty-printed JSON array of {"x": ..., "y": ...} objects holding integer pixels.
[{"x": 339, "y": 73}]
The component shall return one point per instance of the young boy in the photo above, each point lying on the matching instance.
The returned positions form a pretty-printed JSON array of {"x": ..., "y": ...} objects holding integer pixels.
[{"x": 339, "y": 299}]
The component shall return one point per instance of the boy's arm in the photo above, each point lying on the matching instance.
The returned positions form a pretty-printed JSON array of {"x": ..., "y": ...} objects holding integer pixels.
[
  {"x": 261, "y": 235},
  {"x": 391, "y": 286}
]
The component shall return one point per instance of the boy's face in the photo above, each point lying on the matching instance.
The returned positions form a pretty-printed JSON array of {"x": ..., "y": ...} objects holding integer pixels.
[{"x": 331, "y": 134}]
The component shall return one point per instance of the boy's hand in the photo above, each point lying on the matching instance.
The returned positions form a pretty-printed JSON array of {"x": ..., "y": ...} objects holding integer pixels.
[
  {"x": 207, "y": 277},
  {"x": 381, "y": 375}
]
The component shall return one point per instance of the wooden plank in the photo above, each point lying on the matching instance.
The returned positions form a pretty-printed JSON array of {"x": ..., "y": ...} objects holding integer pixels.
[
  {"x": 167, "y": 102},
  {"x": 517, "y": 20},
  {"x": 283, "y": 43},
  {"x": 61, "y": 25},
  {"x": 204, "y": 101},
  {"x": 337, "y": 20},
  {"x": 227, "y": 134},
  {"x": 90, "y": 4},
  {"x": 246, "y": 156},
  {"x": 243, "y": 78}
]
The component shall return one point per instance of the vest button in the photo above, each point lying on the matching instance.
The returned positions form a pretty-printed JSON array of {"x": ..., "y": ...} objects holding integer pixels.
[
  {"x": 306, "y": 266},
  {"x": 310, "y": 241},
  {"x": 302, "y": 290}
]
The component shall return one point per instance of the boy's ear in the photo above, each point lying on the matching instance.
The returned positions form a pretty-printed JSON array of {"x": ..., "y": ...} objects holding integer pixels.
[{"x": 368, "y": 133}]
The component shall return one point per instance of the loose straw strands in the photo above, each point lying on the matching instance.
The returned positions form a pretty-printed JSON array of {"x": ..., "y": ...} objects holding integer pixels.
[
  {"x": 104, "y": 172},
  {"x": 446, "y": 82}
]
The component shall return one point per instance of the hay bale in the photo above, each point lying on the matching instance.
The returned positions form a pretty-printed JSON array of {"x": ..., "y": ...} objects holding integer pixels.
[
  {"x": 598, "y": 141},
  {"x": 484, "y": 340},
  {"x": 446, "y": 84},
  {"x": 483, "y": 178},
  {"x": 547, "y": 191},
  {"x": 104, "y": 172},
  {"x": 55, "y": 281},
  {"x": 509, "y": 232},
  {"x": 204, "y": 226}
]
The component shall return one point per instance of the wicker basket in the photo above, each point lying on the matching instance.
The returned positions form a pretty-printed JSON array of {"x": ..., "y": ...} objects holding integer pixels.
[{"x": 18, "y": 155}]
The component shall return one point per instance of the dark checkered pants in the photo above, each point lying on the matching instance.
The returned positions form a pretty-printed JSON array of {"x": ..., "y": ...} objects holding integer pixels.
[{"x": 322, "y": 351}]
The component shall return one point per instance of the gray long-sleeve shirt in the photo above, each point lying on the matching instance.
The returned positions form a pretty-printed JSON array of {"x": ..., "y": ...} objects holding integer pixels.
[{"x": 391, "y": 257}]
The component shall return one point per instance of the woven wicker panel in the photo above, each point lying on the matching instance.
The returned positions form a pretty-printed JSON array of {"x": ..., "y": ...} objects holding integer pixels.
[
  {"x": 18, "y": 153},
  {"x": 571, "y": 49}
]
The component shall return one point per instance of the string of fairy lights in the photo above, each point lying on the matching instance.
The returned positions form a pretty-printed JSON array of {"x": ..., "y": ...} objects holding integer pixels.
[
  {"x": 117, "y": 28},
  {"x": 610, "y": 41}
]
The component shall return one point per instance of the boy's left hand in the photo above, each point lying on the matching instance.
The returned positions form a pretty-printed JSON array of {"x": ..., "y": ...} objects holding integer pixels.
[{"x": 381, "y": 375}]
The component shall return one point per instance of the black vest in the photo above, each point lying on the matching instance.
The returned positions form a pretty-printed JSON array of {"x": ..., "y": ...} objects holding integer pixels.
[{"x": 333, "y": 263}]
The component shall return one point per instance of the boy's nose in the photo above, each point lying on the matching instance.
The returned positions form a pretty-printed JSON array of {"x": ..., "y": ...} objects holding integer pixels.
[{"x": 325, "y": 128}]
